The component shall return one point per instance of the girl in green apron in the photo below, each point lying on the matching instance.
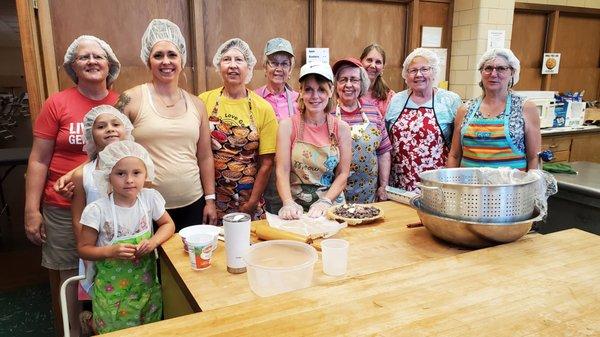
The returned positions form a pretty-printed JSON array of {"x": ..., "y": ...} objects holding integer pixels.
[
  {"x": 313, "y": 149},
  {"x": 117, "y": 234}
]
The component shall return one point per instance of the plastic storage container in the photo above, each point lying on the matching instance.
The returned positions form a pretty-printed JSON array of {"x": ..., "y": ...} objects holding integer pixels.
[
  {"x": 200, "y": 229},
  {"x": 279, "y": 266}
]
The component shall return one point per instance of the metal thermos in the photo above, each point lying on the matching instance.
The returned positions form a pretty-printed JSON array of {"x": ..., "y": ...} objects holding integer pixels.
[{"x": 237, "y": 241}]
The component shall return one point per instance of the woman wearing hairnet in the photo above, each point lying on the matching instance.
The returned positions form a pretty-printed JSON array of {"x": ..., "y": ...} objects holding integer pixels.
[
  {"x": 172, "y": 125},
  {"x": 419, "y": 121},
  {"x": 499, "y": 128},
  {"x": 57, "y": 149},
  {"x": 243, "y": 131},
  {"x": 279, "y": 62}
]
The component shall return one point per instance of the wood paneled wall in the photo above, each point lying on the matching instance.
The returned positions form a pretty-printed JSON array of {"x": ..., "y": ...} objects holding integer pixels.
[
  {"x": 344, "y": 26},
  {"x": 349, "y": 26},
  {"x": 570, "y": 31}
]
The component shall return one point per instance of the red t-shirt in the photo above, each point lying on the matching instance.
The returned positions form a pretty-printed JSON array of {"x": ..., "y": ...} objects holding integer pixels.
[{"x": 61, "y": 120}]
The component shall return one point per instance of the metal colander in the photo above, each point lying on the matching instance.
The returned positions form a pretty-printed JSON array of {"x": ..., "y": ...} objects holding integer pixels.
[{"x": 464, "y": 194}]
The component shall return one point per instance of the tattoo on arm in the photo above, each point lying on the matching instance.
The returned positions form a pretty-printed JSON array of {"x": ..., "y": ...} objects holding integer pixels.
[{"x": 122, "y": 102}]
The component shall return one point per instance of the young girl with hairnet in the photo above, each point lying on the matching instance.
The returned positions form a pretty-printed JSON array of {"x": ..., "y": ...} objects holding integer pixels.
[{"x": 117, "y": 234}]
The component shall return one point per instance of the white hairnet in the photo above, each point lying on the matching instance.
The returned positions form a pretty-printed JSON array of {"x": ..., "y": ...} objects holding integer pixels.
[
  {"x": 508, "y": 56},
  {"x": 243, "y": 47},
  {"x": 88, "y": 123},
  {"x": 162, "y": 30},
  {"x": 431, "y": 57},
  {"x": 113, "y": 62},
  {"x": 110, "y": 156}
]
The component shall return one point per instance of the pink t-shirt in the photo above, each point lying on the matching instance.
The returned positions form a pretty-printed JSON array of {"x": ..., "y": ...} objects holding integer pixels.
[
  {"x": 279, "y": 102},
  {"x": 316, "y": 135},
  {"x": 61, "y": 120},
  {"x": 382, "y": 106}
]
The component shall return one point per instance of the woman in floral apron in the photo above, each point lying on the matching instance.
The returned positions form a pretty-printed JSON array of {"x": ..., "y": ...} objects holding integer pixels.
[
  {"x": 500, "y": 128},
  {"x": 313, "y": 149},
  {"x": 117, "y": 235},
  {"x": 243, "y": 130},
  {"x": 370, "y": 166},
  {"x": 420, "y": 121}
]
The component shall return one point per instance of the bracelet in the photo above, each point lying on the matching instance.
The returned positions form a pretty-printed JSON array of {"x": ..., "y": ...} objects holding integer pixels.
[{"x": 210, "y": 197}]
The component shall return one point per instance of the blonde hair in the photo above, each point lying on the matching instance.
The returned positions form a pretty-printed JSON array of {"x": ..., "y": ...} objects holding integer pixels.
[{"x": 324, "y": 84}]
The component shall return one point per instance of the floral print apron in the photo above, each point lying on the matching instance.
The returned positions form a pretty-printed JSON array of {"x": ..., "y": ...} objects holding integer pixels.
[
  {"x": 235, "y": 152},
  {"x": 127, "y": 292},
  {"x": 417, "y": 145},
  {"x": 362, "y": 182},
  {"x": 313, "y": 167}
]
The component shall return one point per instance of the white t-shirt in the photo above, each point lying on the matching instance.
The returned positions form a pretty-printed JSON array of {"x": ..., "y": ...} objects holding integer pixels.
[{"x": 132, "y": 220}]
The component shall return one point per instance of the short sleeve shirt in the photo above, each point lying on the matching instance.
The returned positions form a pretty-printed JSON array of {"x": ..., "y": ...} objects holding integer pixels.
[
  {"x": 236, "y": 112},
  {"x": 61, "y": 120},
  {"x": 131, "y": 220}
]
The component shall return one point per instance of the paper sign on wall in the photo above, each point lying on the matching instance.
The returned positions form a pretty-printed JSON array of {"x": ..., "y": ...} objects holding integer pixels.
[
  {"x": 496, "y": 39},
  {"x": 550, "y": 63},
  {"x": 431, "y": 37},
  {"x": 317, "y": 55}
]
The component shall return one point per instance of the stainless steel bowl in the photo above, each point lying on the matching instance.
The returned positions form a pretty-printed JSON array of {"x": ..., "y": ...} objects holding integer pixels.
[
  {"x": 470, "y": 233},
  {"x": 462, "y": 193}
]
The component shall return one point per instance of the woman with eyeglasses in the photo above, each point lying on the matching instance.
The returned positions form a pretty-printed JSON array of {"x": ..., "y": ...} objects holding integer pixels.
[
  {"x": 419, "y": 121},
  {"x": 172, "y": 125},
  {"x": 499, "y": 128},
  {"x": 379, "y": 93},
  {"x": 243, "y": 131},
  {"x": 58, "y": 141},
  {"x": 279, "y": 61},
  {"x": 370, "y": 165}
]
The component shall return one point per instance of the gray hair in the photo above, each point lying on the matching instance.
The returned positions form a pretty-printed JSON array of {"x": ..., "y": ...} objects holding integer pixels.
[
  {"x": 114, "y": 66},
  {"x": 243, "y": 47},
  {"x": 508, "y": 56},
  {"x": 432, "y": 60},
  {"x": 365, "y": 82}
]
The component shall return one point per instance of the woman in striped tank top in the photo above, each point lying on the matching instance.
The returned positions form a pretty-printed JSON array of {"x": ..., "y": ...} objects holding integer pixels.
[{"x": 500, "y": 128}]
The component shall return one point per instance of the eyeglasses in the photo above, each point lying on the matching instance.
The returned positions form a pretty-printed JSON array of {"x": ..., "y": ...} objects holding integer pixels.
[
  {"x": 85, "y": 58},
  {"x": 345, "y": 80},
  {"x": 283, "y": 65},
  {"x": 423, "y": 70},
  {"x": 499, "y": 70}
]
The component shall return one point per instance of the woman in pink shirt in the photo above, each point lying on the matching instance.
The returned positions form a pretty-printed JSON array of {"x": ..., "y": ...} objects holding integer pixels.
[
  {"x": 279, "y": 61},
  {"x": 379, "y": 93},
  {"x": 313, "y": 149}
]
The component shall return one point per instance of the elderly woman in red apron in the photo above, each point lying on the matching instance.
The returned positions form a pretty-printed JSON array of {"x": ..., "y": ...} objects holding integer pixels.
[
  {"x": 313, "y": 149},
  {"x": 420, "y": 121},
  {"x": 499, "y": 128},
  {"x": 370, "y": 166},
  {"x": 243, "y": 131},
  {"x": 279, "y": 62}
]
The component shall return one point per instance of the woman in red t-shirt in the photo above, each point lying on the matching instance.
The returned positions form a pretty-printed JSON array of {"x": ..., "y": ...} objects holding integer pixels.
[{"x": 57, "y": 149}]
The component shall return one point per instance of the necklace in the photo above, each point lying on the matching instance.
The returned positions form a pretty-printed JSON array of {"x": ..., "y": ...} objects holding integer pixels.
[
  {"x": 315, "y": 122},
  {"x": 165, "y": 103}
]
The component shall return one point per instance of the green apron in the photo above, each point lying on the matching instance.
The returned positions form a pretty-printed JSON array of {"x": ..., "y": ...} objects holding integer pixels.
[{"x": 126, "y": 292}]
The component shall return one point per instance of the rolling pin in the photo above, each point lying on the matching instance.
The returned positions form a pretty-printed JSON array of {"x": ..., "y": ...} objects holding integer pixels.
[{"x": 265, "y": 232}]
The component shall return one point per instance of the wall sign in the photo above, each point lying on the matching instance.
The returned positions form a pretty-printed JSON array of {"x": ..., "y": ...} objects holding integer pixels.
[
  {"x": 317, "y": 55},
  {"x": 496, "y": 39},
  {"x": 550, "y": 63}
]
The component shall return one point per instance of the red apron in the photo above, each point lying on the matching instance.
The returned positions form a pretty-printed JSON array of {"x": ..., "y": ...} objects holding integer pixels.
[{"x": 417, "y": 145}]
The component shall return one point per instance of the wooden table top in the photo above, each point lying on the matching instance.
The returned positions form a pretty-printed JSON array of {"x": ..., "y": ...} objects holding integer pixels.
[
  {"x": 543, "y": 285},
  {"x": 382, "y": 245}
]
